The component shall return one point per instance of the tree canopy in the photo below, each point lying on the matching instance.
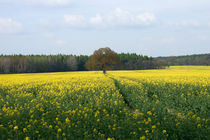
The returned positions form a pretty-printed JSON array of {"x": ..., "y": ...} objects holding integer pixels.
[{"x": 103, "y": 59}]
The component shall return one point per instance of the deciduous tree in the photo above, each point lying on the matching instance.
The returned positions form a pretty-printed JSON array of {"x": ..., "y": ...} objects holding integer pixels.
[{"x": 103, "y": 59}]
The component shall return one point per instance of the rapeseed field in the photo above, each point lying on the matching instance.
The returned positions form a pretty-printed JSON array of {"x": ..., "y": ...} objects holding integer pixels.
[{"x": 171, "y": 103}]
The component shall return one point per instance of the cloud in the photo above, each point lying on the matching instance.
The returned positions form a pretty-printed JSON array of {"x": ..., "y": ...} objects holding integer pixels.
[
  {"x": 9, "y": 26},
  {"x": 74, "y": 20},
  {"x": 120, "y": 17},
  {"x": 60, "y": 42},
  {"x": 98, "y": 19},
  {"x": 51, "y": 3},
  {"x": 116, "y": 18},
  {"x": 124, "y": 17}
]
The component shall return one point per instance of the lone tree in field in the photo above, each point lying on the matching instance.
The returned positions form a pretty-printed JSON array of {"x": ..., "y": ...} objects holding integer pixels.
[{"x": 103, "y": 59}]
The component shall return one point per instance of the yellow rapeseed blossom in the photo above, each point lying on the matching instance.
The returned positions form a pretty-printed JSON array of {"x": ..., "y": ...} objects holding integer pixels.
[
  {"x": 27, "y": 138},
  {"x": 149, "y": 113},
  {"x": 198, "y": 118},
  {"x": 153, "y": 127},
  {"x": 24, "y": 130},
  {"x": 50, "y": 126},
  {"x": 142, "y": 138},
  {"x": 16, "y": 128},
  {"x": 97, "y": 106},
  {"x": 67, "y": 120},
  {"x": 164, "y": 131},
  {"x": 59, "y": 130},
  {"x": 110, "y": 138}
]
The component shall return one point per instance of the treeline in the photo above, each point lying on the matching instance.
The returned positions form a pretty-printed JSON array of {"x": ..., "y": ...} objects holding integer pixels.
[
  {"x": 133, "y": 61},
  {"x": 197, "y": 59},
  {"x": 59, "y": 63},
  {"x": 37, "y": 63}
]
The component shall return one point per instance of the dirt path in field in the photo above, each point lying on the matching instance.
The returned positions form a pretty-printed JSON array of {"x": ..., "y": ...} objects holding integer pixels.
[
  {"x": 169, "y": 110},
  {"x": 121, "y": 92}
]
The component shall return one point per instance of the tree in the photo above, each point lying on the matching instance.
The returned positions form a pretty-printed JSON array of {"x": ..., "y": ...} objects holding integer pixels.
[
  {"x": 103, "y": 59},
  {"x": 71, "y": 63}
]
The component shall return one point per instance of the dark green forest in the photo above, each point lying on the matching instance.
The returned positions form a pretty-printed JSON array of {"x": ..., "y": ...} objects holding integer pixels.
[
  {"x": 196, "y": 59},
  {"x": 61, "y": 63}
]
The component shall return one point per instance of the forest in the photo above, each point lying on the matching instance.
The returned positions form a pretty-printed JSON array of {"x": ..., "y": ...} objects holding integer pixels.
[
  {"x": 61, "y": 63},
  {"x": 196, "y": 59}
]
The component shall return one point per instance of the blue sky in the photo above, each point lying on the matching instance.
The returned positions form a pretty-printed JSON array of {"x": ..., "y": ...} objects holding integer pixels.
[{"x": 148, "y": 27}]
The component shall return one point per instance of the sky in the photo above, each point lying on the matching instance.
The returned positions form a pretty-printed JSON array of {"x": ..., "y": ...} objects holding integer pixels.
[{"x": 148, "y": 27}]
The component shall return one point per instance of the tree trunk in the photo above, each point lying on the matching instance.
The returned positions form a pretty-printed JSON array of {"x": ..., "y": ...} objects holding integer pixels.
[{"x": 104, "y": 71}]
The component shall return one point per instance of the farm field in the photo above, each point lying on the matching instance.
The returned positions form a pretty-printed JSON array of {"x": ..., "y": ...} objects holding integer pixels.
[{"x": 171, "y": 103}]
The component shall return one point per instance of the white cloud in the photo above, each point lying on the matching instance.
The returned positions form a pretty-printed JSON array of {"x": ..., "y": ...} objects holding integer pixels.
[
  {"x": 51, "y": 3},
  {"x": 9, "y": 26},
  {"x": 60, "y": 42},
  {"x": 116, "y": 18},
  {"x": 75, "y": 20},
  {"x": 127, "y": 18},
  {"x": 98, "y": 19},
  {"x": 120, "y": 17}
]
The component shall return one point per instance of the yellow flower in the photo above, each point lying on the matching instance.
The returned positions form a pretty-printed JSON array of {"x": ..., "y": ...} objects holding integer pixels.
[
  {"x": 179, "y": 115},
  {"x": 164, "y": 131},
  {"x": 27, "y": 138},
  {"x": 67, "y": 120},
  {"x": 142, "y": 138},
  {"x": 50, "y": 126},
  {"x": 59, "y": 130},
  {"x": 16, "y": 128},
  {"x": 24, "y": 130},
  {"x": 149, "y": 112},
  {"x": 94, "y": 130},
  {"x": 110, "y": 138},
  {"x": 153, "y": 127}
]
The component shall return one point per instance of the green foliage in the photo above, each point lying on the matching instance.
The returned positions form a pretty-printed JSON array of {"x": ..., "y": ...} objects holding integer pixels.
[
  {"x": 180, "y": 109},
  {"x": 199, "y": 59},
  {"x": 103, "y": 59}
]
